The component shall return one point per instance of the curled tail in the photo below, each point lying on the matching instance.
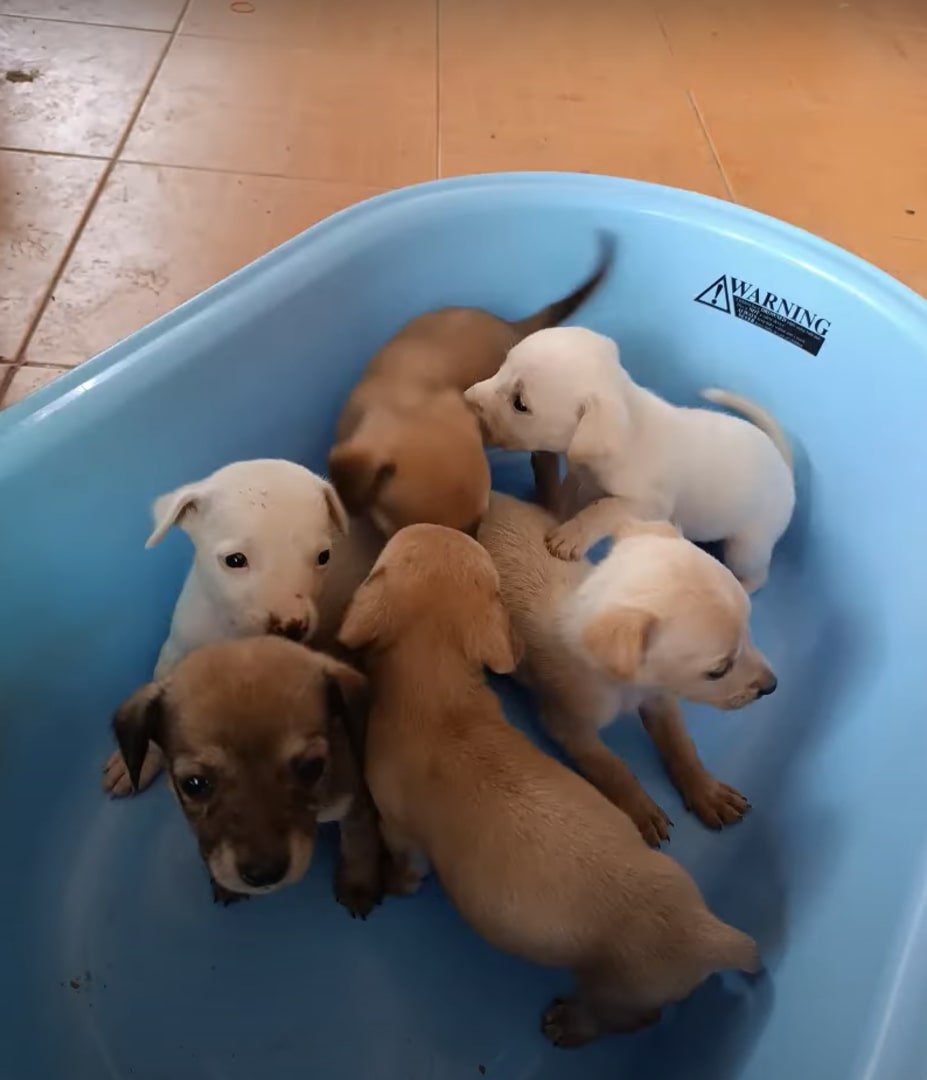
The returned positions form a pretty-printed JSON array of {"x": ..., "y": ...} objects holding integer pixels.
[
  {"x": 757, "y": 416},
  {"x": 555, "y": 313}
]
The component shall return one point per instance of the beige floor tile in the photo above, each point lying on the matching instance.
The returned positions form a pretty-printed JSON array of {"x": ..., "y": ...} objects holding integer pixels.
[
  {"x": 354, "y": 100},
  {"x": 75, "y": 86},
  {"x": 41, "y": 201},
  {"x": 25, "y": 381},
  {"x": 158, "y": 236},
  {"x": 137, "y": 14},
  {"x": 531, "y": 85}
]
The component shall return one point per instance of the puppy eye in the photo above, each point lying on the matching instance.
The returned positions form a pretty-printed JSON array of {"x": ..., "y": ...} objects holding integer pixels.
[
  {"x": 518, "y": 404},
  {"x": 196, "y": 787},
  {"x": 308, "y": 770},
  {"x": 324, "y": 556},
  {"x": 236, "y": 561},
  {"x": 720, "y": 672}
]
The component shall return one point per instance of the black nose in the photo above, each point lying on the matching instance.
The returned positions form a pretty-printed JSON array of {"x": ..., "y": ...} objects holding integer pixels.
[
  {"x": 261, "y": 872},
  {"x": 769, "y": 688},
  {"x": 295, "y": 629}
]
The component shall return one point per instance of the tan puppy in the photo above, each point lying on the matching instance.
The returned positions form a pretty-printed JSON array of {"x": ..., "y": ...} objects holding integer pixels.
[
  {"x": 408, "y": 449},
  {"x": 656, "y": 619},
  {"x": 257, "y": 735},
  {"x": 531, "y": 855}
]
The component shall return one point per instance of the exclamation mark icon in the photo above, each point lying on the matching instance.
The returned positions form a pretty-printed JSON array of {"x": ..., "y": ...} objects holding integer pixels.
[{"x": 716, "y": 296}]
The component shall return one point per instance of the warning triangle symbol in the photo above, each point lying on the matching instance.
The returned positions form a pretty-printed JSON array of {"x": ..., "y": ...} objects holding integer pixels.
[{"x": 716, "y": 296}]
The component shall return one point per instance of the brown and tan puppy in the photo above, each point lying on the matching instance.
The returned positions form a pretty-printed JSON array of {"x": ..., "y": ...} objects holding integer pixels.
[
  {"x": 533, "y": 857},
  {"x": 258, "y": 738},
  {"x": 656, "y": 620},
  {"x": 408, "y": 448}
]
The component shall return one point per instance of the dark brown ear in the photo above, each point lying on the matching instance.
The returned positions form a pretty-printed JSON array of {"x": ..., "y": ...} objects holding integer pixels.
[
  {"x": 618, "y": 640},
  {"x": 138, "y": 721},
  {"x": 346, "y": 702},
  {"x": 491, "y": 641},
  {"x": 365, "y": 618},
  {"x": 358, "y": 470}
]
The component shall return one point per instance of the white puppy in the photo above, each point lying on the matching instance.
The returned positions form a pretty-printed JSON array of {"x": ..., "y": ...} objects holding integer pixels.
[
  {"x": 716, "y": 476},
  {"x": 264, "y": 533},
  {"x": 656, "y": 619}
]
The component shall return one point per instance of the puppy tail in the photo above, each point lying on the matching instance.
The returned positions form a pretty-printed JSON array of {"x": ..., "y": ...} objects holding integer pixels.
[
  {"x": 559, "y": 310},
  {"x": 757, "y": 416},
  {"x": 731, "y": 949}
]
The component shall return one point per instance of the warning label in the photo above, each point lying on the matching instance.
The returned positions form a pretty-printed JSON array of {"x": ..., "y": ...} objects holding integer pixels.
[{"x": 769, "y": 311}]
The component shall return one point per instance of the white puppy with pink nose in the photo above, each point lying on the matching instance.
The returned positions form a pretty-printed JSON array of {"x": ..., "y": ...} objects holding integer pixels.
[{"x": 263, "y": 533}]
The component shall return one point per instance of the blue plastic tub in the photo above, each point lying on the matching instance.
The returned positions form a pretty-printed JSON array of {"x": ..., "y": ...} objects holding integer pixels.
[{"x": 115, "y": 961}]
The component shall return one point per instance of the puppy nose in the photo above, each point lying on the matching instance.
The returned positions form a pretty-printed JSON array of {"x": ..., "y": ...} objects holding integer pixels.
[
  {"x": 768, "y": 688},
  {"x": 261, "y": 872},
  {"x": 295, "y": 629}
]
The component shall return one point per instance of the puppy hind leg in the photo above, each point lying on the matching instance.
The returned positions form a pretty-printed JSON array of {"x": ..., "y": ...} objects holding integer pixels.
[
  {"x": 602, "y": 1006},
  {"x": 408, "y": 864},
  {"x": 580, "y": 740},
  {"x": 747, "y": 555}
]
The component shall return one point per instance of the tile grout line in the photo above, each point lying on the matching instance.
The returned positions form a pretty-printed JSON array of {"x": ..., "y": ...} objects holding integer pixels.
[
  {"x": 711, "y": 146},
  {"x": 53, "y": 153},
  {"x": 19, "y": 358},
  {"x": 81, "y": 22},
  {"x": 437, "y": 89}
]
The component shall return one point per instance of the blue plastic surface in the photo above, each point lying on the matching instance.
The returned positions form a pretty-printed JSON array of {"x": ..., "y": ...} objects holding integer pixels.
[{"x": 115, "y": 961}]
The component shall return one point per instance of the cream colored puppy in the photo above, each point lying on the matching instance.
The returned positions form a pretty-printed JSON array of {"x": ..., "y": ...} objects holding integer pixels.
[
  {"x": 716, "y": 476},
  {"x": 656, "y": 619},
  {"x": 272, "y": 555},
  {"x": 530, "y": 854}
]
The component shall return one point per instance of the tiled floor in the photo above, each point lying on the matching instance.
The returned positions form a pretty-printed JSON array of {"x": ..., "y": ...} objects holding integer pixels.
[{"x": 149, "y": 147}]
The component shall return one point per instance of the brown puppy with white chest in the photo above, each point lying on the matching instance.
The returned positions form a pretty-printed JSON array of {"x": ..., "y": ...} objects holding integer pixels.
[
  {"x": 408, "y": 449},
  {"x": 258, "y": 734},
  {"x": 533, "y": 857}
]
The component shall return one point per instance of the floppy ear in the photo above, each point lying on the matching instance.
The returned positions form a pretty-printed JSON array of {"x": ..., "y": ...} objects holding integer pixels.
[
  {"x": 618, "y": 640},
  {"x": 138, "y": 721},
  {"x": 346, "y": 701},
  {"x": 491, "y": 642},
  {"x": 336, "y": 509},
  {"x": 366, "y": 615},
  {"x": 172, "y": 508},
  {"x": 599, "y": 431},
  {"x": 358, "y": 471}
]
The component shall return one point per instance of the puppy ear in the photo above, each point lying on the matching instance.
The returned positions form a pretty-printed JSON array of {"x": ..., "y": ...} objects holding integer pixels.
[
  {"x": 365, "y": 618},
  {"x": 618, "y": 640},
  {"x": 336, "y": 509},
  {"x": 138, "y": 721},
  {"x": 599, "y": 431},
  {"x": 346, "y": 702},
  {"x": 358, "y": 471},
  {"x": 491, "y": 641},
  {"x": 172, "y": 508}
]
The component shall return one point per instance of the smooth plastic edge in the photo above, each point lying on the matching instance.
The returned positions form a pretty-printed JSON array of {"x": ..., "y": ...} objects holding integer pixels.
[{"x": 881, "y": 291}]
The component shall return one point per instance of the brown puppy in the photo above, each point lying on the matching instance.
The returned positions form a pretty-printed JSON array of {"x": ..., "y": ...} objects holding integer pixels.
[
  {"x": 533, "y": 857},
  {"x": 257, "y": 735},
  {"x": 408, "y": 449}
]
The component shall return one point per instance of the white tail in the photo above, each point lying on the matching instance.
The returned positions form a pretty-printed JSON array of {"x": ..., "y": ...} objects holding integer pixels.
[
  {"x": 733, "y": 950},
  {"x": 756, "y": 415}
]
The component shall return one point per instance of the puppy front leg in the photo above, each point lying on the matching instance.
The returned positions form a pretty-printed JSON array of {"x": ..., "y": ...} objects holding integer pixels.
[
  {"x": 408, "y": 864},
  {"x": 571, "y": 540},
  {"x": 359, "y": 873},
  {"x": 715, "y": 804},
  {"x": 580, "y": 740},
  {"x": 116, "y": 773}
]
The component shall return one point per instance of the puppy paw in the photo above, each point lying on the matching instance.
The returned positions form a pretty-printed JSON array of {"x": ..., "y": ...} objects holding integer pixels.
[
  {"x": 404, "y": 875},
  {"x": 116, "y": 776},
  {"x": 650, "y": 819},
  {"x": 223, "y": 896},
  {"x": 713, "y": 803},
  {"x": 566, "y": 542},
  {"x": 567, "y": 1023},
  {"x": 357, "y": 890}
]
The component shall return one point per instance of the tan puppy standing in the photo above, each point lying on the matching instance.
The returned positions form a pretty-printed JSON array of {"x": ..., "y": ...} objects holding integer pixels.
[
  {"x": 408, "y": 449},
  {"x": 533, "y": 857},
  {"x": 657, "y": 619}
]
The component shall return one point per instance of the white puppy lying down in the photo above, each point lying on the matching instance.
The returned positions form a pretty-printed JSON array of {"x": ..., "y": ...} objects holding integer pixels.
[
  {"x": 716, "y": 476},
  {"x": 657, "y": 618},
  {"x": 272, "y": 555}
]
